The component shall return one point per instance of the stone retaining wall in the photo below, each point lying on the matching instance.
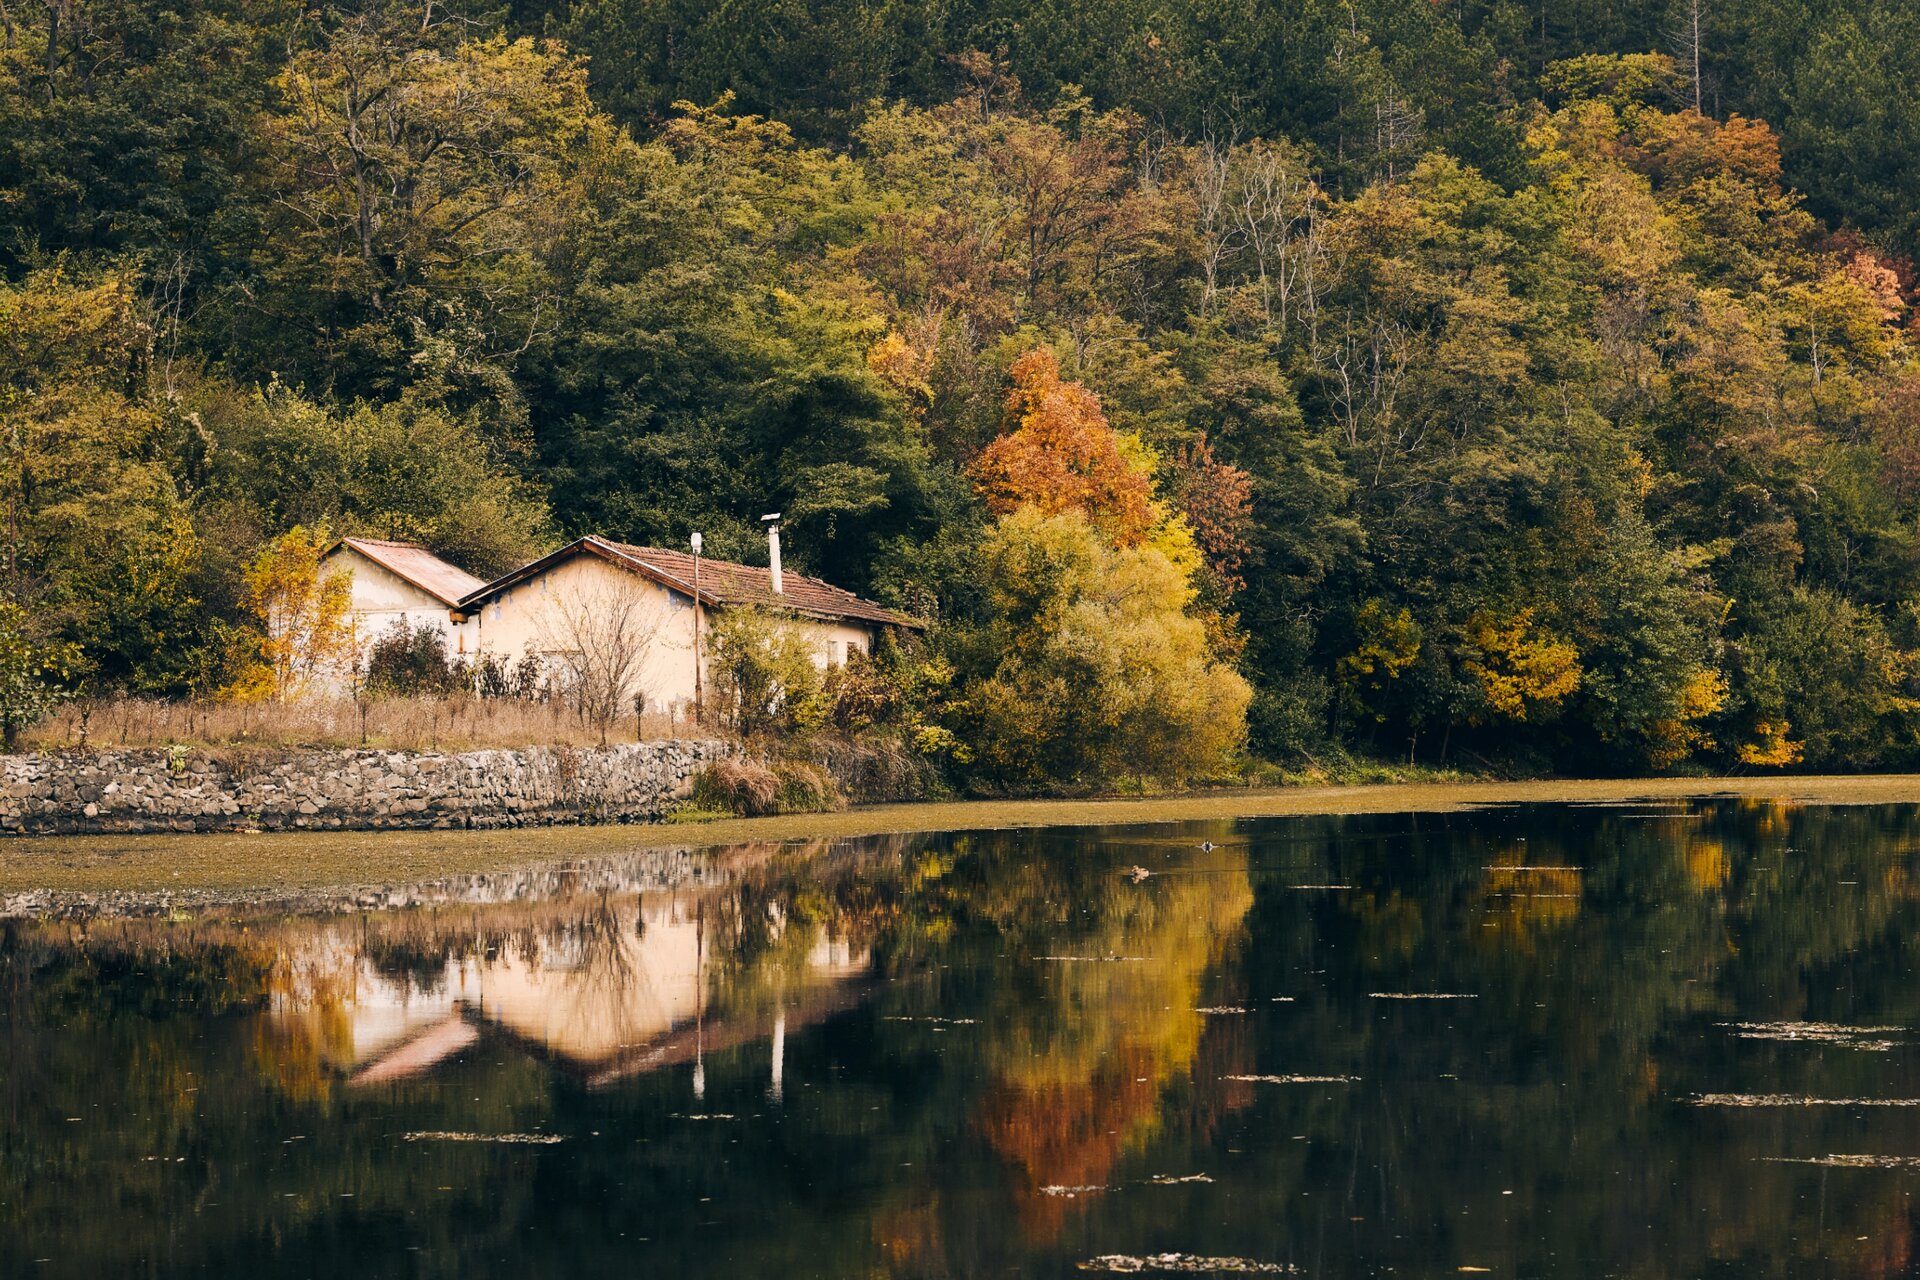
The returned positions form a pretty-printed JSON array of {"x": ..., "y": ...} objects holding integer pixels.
[{"x": 264, "y": 789}]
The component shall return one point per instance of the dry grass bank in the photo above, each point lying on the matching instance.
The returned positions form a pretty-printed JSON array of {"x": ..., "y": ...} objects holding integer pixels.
[
  {"x": 223, "y": 864},
  {"x": 407, "y": 724}
]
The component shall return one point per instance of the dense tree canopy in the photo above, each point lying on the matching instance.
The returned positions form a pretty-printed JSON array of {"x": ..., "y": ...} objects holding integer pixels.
[{"x": 1478, "y": 382}]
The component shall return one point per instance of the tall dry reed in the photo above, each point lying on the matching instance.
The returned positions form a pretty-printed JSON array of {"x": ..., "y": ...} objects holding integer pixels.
[{"x": 454, "y": 723}]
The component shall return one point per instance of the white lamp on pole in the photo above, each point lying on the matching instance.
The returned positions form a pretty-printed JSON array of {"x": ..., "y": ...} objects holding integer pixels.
[{"x": 699, "y": 710}]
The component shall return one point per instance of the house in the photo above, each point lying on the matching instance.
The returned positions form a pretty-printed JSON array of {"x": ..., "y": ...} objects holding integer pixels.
[
  {"x": 400, "y": 582},
  {"x": 596, "y": 593},
  {"x": 608, "y": 598}
]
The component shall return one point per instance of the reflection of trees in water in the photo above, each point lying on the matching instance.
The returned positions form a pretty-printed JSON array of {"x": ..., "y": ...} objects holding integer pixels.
[
  {"x": 1079, "y": 1071},
  {"x": 1594, "y": 1013},
  {"x": 221, "y": 1041},
  {"x": 902, "y": 1145}
]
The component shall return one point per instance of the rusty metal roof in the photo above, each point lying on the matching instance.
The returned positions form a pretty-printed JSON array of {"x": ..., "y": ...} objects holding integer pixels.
[{"x": 446, "y": 583}]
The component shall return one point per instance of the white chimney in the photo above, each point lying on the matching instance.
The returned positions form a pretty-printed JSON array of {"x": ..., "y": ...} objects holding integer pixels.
[{"x": 773, "y": 551}]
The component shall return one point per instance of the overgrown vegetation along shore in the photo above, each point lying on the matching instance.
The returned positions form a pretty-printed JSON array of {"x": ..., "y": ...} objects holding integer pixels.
[
  {"x": 427, "y": 722},
  {"x": 782, "y": 767},
  {"x": 849, "y": 743},
  {"x": 213, "y": 869}
]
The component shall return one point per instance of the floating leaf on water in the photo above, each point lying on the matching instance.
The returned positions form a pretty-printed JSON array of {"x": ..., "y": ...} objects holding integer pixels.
[
  {"x": 1127, "y": 1264},
  {"x": 1813, "y": 1028},
  {"x": 525, "y": 1139},
  {"x": 1793, "y": 1100},
  {"x": 1832, "y": 1033},
  {"x": 1809, "y": 1029},
  {"x": 1070, "y": 1192},
  {"x": 1296, "y": 1079},
  {"x": 1849, "y": 1162},
  {"x": 944, "y": 1022}
]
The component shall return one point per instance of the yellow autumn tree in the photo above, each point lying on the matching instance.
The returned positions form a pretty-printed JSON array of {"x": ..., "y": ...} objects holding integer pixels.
[
  {"x": 903, "y": 369},
  {"x": 1519, "y": 665},
  {"x": 306, "y": 624},
  {"x": 1091, "y": 662},
  {"x": 1385, "y": 644},
  {"x": 1089, "y": 666},
  {"x": 1771, "y": 748},
  {"x": 1674, "y": 737},
  {"x": 95, "y": 539}
]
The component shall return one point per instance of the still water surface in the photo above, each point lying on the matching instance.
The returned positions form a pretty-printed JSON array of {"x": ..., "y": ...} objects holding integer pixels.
[{"x": 1670, "y": 1041}]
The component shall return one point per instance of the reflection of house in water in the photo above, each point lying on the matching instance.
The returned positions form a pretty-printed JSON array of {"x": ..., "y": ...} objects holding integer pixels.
[{"x": 619, "y": 995}]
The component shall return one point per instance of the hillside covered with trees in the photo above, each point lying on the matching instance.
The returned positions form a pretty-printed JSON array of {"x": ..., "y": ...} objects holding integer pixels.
[{"x": 1527, "y": 384}]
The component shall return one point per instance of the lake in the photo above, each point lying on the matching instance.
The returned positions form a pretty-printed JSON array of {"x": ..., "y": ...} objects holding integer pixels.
[{"x": 1657, "y": 1040}]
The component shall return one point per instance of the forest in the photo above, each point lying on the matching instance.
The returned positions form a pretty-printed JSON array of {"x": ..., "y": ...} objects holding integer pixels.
[{"x": 1469, "y": 382}]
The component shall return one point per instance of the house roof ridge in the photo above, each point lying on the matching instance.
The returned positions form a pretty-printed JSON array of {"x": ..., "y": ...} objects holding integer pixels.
[
  {"x": 388, "y": 542},
  {"x": 729, "y": 583},
  {"x": 834, "y": 591},
  {"x": 634, "y": 548},
  {"x": 441, "y": 579}
]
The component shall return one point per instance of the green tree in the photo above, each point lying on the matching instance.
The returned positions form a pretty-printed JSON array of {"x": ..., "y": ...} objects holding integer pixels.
[
  {"x": 34, "y": 673},
  {"x": 409, "y": 469},
  {"x": 1826, "y": 674},
  {"x": 123, "y": 132},
  {"x": 712, "y": 370},
  {"x": 765, "y": 680},
  {"x": 1086, "y": 668},
  {"x": 423, "y": 182},
  {"x": 94, "y": 536}
]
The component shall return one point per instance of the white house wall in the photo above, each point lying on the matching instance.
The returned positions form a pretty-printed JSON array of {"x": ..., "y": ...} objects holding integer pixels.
[
  {"x": 380, "y": 598},
  {"x": 522, "y": 619}
]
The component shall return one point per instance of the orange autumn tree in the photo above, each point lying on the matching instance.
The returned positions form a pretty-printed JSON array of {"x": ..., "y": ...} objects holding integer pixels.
[
  {"x": 1062, "y": 455},
  {"x": 1216, "y": 499},
  {"x": 1090, "y": 660}
]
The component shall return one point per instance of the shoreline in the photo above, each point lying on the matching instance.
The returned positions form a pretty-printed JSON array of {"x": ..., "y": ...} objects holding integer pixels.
[{"x": 224, "y": 866}]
